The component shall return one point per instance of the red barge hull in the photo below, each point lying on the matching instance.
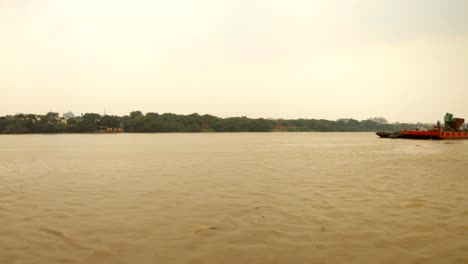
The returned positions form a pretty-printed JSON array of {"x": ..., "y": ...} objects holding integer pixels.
[{"x": 413, "y": 134}]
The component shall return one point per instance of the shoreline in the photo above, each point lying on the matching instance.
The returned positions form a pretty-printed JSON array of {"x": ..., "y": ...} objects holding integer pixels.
[
  {"x": 227, "y": 132},
  {"x": 137, "y": 122}
]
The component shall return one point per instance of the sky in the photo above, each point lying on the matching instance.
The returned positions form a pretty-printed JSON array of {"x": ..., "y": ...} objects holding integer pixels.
[{"x": 403, "y": 60}]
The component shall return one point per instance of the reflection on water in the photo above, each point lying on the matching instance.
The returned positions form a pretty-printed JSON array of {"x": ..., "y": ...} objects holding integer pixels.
[{"x": 232, "y": 198}]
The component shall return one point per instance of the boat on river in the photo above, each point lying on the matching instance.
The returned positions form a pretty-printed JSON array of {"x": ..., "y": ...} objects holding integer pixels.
[{"x": 452, "y": 129}]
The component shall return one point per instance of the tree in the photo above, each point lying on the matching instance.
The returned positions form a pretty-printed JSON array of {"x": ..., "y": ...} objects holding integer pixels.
[
  {"x": 135, "y": 114},
  {"x": 111, "y": 121},
  {"x": 90, "y": 122},
  {"x": 50, "y": 123}
]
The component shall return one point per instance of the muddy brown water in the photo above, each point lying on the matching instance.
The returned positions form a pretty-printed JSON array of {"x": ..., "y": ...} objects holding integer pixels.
[{"x": 232, "y": 198}]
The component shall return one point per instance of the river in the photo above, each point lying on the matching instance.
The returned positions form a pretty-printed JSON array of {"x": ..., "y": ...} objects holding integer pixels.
[{"x": 232, "y": 198}]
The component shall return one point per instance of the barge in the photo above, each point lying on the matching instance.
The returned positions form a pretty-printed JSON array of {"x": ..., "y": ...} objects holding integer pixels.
[{"x": 452, "y": 129}]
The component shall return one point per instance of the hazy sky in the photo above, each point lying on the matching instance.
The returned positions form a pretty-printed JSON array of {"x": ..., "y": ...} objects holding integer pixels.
[{"x": 404, "y": 60}]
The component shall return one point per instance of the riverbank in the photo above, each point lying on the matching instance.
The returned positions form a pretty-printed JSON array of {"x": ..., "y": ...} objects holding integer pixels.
[{"x": 168, "y": 122}]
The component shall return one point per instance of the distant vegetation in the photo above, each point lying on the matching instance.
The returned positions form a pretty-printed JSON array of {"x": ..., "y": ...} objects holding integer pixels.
[{"x": 153, "y": 122}]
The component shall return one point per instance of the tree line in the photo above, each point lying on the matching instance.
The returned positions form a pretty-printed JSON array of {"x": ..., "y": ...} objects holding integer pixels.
[{"x": 136, "y": 121}]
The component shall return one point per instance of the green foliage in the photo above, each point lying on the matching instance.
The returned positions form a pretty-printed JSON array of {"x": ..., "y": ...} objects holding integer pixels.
[
  {"x": 111, "y": 121},
  {"x": 153, "y": 122},
  {"x": 89, "y": 122},
  {"x": 135, "y": 114}
]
